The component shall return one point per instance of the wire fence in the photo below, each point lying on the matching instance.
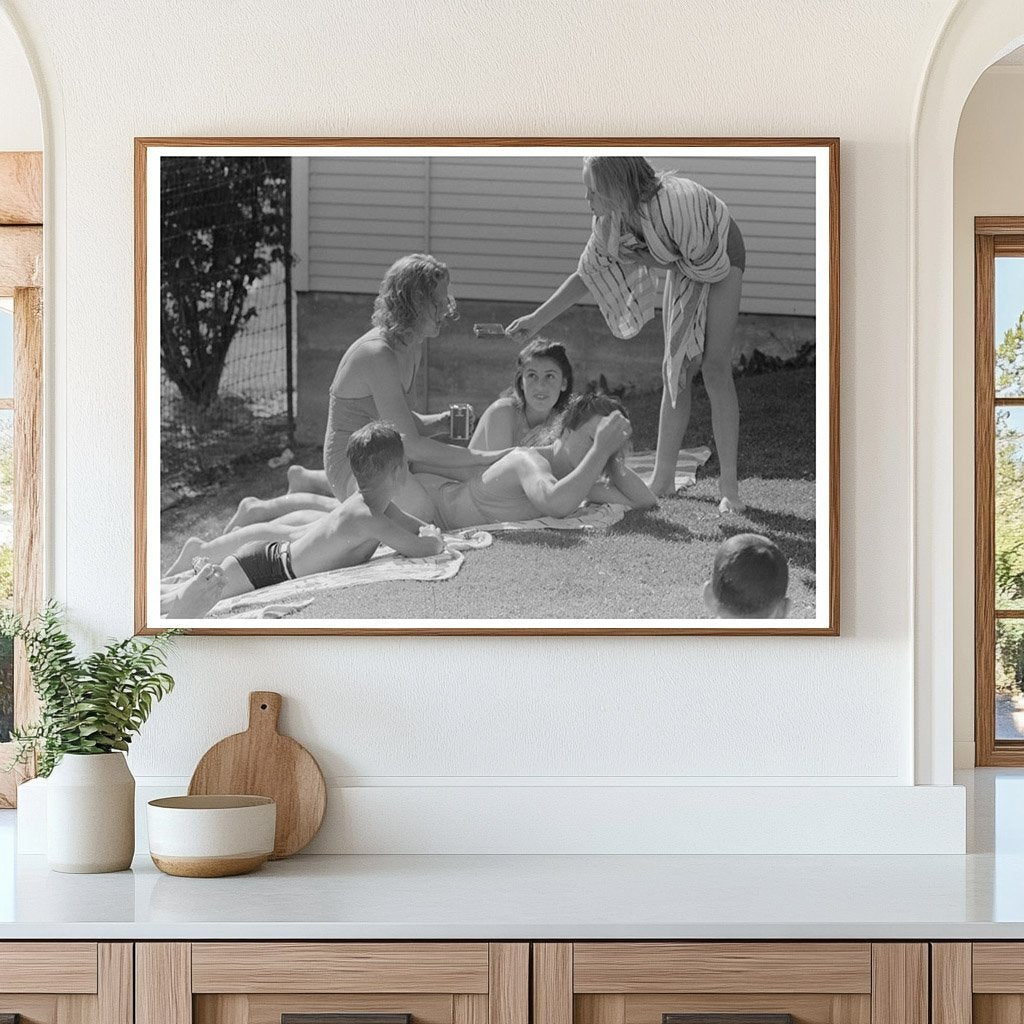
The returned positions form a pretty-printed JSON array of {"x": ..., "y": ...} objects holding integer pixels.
[{"x": 226, "y": 382}]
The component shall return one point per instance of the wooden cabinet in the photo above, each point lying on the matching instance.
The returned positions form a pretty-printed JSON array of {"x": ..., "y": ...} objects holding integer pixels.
[
  {"x": 66, "y": 982},
  {"x": 651, "y": 982},
  {"x": 978, "y": 983},
  {"x": 262, "y": 982}
]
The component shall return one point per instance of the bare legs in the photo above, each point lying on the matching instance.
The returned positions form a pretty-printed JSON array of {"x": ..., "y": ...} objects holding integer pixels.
[
  {"x": 672, "y": 423},
  {"x": 262, "y": 510},
  {"x": 716, "y": 367},
  {"x": 216, "y": 550},
  {"x": 310, "y": 481}
]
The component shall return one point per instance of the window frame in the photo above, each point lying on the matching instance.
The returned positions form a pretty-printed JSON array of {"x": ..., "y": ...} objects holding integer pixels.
[
  {"x": 993, "y": 237},
  {"x": 21, "y": 270}
]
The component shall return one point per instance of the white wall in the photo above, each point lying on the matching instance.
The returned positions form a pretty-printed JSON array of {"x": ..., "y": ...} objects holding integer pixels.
[
  {"x": 21, "y": 127},
  {"x": 987, "y": 182},
  {"x": 428, "y": 716}
]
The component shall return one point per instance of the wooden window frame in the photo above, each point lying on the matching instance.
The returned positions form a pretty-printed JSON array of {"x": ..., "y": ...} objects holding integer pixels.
[
  {"x": 21, "y": 278},
  {"x": 993, "y": 237}
]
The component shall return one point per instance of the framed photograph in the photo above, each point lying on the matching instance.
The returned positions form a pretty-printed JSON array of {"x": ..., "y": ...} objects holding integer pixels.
[{"x": 487, "y": 386}]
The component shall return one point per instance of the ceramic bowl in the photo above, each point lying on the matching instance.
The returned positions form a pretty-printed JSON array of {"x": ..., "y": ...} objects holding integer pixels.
[{"x": 211, "y": 836}]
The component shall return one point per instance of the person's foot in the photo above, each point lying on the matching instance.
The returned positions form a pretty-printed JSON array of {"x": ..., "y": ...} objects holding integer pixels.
[
  {"x": 193, "y": 546},
  {"x": 242, "y": 514},
  {"x": 195, "y": 597},
  {"x": 730, "y": 500},
  {"x": 663, "y": 487}
]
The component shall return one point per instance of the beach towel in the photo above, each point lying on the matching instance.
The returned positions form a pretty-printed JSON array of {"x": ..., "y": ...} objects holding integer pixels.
[
  {"x": 689, "y": 461},
  {"x": 287, "y": 598},
  {"x": 587, "y": 517}
]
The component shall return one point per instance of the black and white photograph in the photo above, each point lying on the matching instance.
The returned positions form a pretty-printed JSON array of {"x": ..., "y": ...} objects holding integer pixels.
[{"x": 548, "y": 386}]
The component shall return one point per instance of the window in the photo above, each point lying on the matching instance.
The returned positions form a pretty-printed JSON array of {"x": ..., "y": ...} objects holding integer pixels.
[{"x": 999, "y": 490}]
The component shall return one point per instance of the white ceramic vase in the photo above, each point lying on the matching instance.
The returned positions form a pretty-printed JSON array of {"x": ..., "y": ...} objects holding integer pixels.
[{"x": 90, "y": 814}]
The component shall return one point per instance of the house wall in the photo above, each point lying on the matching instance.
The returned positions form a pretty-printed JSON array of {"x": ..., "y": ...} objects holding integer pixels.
[
  {"x": 589, "y": 740},
  {"x": 512, "y": 230}
]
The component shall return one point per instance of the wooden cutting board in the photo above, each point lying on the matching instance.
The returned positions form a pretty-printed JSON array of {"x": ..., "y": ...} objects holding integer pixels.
[{"x": 262, "y": 762}]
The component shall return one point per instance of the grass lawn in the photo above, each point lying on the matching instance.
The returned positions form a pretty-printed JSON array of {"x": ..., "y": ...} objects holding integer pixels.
[{"x": 650, "y": 565}]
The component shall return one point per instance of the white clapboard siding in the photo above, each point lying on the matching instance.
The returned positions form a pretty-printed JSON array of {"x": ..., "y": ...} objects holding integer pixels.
[{"x": 512, "y": 229}]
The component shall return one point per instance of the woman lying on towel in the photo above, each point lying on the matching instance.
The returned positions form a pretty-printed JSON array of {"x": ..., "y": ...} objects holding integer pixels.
[{"x": 585, "y": 462}]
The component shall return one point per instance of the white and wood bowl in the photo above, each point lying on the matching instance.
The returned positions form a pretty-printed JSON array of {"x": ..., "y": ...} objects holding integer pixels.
[{"x": 211, "y": 836}]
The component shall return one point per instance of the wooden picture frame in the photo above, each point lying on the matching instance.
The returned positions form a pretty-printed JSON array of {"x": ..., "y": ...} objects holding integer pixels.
[{"x": 804, "y": 257}]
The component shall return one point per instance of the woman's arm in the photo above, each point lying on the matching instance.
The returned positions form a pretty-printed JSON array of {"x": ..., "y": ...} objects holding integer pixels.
[
  {"x": 433, "y": 423},
  {"x": 562, "y": 497},
  {"x": 568, "y": 293},
  {"x": 624, "y": 487},
  {"x": 378, "y": 369}
]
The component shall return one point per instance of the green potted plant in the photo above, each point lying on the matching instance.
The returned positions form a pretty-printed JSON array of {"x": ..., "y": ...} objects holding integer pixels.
[{"x": 89, "y": 710}]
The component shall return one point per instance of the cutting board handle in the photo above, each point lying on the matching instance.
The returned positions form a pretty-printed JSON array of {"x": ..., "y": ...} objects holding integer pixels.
[{"x": 264, "y": 710}]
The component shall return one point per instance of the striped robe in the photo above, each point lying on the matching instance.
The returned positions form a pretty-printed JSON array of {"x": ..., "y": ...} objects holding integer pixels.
[{"x": 684, "y": 226}]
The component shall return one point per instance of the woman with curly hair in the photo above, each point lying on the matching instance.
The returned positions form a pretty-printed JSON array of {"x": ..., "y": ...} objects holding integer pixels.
[{"x": 375, "y": 377}]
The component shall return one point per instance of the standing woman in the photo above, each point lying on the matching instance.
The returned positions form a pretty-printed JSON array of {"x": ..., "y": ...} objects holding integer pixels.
[
  {"x": 643, "y": 222},
  {"x": 375, "y": 377}
]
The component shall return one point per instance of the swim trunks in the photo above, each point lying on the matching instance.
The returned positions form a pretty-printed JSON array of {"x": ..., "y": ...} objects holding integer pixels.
[{"x": 266, "y": 564}]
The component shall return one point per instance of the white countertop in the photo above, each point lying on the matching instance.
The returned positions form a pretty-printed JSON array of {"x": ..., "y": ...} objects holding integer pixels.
[
  {"x": 976, "y": 896},
  {"x": 517, "y": 897}
]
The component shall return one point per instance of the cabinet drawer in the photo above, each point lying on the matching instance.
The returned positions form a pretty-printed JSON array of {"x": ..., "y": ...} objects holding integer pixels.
[
  {"x": 58, "y": 967},
  {"x": 752, "y": 967},
  {"x": 340, "y": 967},
  {"x": 332, "y": 983},
  {"x": 730, "y": 983}
]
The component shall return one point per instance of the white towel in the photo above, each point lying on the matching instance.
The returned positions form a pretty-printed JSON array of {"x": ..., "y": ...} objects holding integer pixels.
[
  {"x": 283, "y": 599},
  {"x": 588, "y": 517}
]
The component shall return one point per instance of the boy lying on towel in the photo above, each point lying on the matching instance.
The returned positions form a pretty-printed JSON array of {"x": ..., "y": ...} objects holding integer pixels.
[{"x": 348, "y": 535}]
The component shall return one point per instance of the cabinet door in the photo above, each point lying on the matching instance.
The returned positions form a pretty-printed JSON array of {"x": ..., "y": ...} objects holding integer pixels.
[
  {"x": 66, "y": 982},
  {"x": 730, "y": 983},
  {"x": 332, "y": 983},
  {"x": 981, "y": 982}
]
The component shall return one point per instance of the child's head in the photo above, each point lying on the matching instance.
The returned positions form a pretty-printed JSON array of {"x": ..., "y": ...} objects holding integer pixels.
[
  {"x": 749, "y": 580},
  {"x": 619, "y": 182},
  {"x": 375, "y": 452},
  {"x": 543, "y": 377}
]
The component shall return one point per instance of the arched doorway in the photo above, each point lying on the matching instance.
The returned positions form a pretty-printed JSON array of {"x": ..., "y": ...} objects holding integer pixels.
[{"x": 977, "y": 33}]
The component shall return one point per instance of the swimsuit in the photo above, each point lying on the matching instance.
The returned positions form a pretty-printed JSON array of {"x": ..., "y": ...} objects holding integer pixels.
[
  {"x": 467, "y": 503},
  {"x": 265, "y": 564},
  {"x": 344, "y": 417}
]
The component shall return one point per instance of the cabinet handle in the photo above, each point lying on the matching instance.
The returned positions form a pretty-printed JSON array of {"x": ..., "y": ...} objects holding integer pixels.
[
  {"x": 337, "y": 1018},
  {"x": 727, "y": 1018}
]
